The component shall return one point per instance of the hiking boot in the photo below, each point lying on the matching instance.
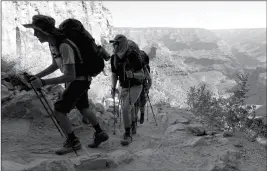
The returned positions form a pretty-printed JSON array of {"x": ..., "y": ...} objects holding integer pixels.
[
  {"x": 98, "y": 139},
  {"x": 69, "y": 146},
  {"x": 134, "y": 129},
  {"x": 127, "y": 139},
  {"x": 142, "y": 118}
]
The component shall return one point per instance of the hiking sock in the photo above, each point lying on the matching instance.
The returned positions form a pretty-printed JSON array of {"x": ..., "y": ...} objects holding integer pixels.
[
  {"x": 128, "y": 131},
  {"x": 97, "y": 128},
  {"x": 71, "y": 136},
  {"x": 133, "y": 123}
]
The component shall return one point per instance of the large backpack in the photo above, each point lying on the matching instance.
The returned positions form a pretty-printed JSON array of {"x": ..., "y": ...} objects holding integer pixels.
[
  {"x": 92, "y": 55},
  {"x": 145, "y": 60}
]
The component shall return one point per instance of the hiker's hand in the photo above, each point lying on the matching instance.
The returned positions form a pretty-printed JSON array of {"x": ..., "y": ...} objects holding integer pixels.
[
  {"x": 37, "y": 83},
  {"x": 129, "y": 74},
  {"x": 113, "y": 92}
]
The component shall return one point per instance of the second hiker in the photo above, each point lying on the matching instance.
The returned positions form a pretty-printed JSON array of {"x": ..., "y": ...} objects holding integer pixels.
[{"x": 127, "y": 68}]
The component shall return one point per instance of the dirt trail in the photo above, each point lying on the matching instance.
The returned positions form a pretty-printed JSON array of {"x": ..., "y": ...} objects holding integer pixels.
[{"x": 24, "y": 141}]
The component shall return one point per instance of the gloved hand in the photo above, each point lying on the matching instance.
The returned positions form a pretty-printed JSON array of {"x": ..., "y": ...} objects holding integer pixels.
[
  {"x": 129, "y": 74},
  {"x": 36, "y": 82},
  {"x": 28, "y": 77}
]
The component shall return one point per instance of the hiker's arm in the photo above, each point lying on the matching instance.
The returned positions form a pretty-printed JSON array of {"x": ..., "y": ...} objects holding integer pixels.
[
  {"x": 114, "y": 77},
  {"x": 50, "y": 69},
  {"x": 69, "y": 76},
  {"x": 69, "y": 73},
  {"x": 148, "y": 77}
]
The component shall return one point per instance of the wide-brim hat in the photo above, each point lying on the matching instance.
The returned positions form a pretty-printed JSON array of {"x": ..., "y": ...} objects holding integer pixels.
[
  {"x": 118, "y": 38},
  {"x": 42, "y": 22}
]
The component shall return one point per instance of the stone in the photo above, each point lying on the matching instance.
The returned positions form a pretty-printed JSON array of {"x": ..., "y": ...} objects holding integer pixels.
[
  {"x": 11, "y": 166},
  {"x": 174, "y": 128},
  {"x": 196, "y": 129},
  {"x": 52, "y": 165},
  {"x": 57, "y": 88},
  {"x": 228, "y": 134},
  {"x": 145, "y": 152},
  {"x": 195, "y": 142},
  {"x": 4, "y": 75},
  {"x": 262, "y": 141},
  {"x": 120, "y": 156},
  {"x": 93, "y": 161},
  {"x": 8, "y": 85},
  {"x": 223, "y": 141},
  {"x": 99, "y": 108},
  {"x": 231, "y": 158},
  {"x": 207, "y": 166},
  {"x": 26, "y": 105},
  {"x": 5, "y": 94}
]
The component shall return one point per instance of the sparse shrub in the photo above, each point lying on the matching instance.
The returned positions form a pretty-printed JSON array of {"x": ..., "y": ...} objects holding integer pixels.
[{"x": 225, "y": 113}]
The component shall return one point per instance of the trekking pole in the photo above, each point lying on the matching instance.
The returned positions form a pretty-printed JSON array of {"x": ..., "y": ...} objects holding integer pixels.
[
  {"x": 49, "y": 106},
  {"x": 47, "y": 110},
  {"x": 119, "y": 108},
  {"x": 147, "y": 112},
  {"x": 114, "y": 114},
  {"x": 152, "y": 110},
  {"x": 40, "y": 91}
]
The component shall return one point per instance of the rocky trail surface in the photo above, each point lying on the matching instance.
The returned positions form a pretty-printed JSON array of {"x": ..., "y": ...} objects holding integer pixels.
[{"x": 178, "y": 142}]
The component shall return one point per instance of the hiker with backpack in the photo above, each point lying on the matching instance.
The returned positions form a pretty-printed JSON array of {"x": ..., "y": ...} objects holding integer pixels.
[
  {"x": 69, "y": 57},
  {"x": 147, "y": 82},
  {"x": 126, "y": 67}
]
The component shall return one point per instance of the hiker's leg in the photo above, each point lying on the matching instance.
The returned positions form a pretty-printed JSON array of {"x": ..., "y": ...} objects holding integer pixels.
[
  {"x": 64, "y": 122},
  {"x": 63, "y": 106},
  {"x": 126, "y": 108},
  {"x": 83, "y": 106}
]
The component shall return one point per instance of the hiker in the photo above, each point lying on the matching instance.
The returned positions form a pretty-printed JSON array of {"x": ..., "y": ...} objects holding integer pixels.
[
  {"x": 126, "y": 67},
  {"x": 147, "y": 82},
  {"x": 64, "y": 57}
]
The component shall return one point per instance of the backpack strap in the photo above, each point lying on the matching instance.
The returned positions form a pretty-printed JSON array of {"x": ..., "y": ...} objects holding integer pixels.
[{"x": 75, "y": 48}]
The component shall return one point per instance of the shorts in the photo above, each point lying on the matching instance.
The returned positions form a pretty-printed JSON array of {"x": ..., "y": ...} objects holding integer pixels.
[{"x": 75, "y": 94}]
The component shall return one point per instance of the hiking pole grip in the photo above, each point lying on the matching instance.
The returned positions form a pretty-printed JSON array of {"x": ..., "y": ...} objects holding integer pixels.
[{"x": 46, "y": 109}]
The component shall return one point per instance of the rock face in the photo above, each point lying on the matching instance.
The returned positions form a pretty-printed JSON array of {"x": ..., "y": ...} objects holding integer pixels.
[
  {"x": 20, "y": 44},
  {"x": 5, "y": 94},
  {"x": 25, "y": 105}
]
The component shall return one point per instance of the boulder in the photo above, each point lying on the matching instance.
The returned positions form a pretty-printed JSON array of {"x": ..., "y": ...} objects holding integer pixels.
[
  {"x": 195, "y": 142},
  {"x": 174, "y": 128},
  {"x": 231, "y": 158},
  {"x": 120, "y": 157},
  {"x": 52, "y": 165},
  {"x": 93, "y": 161},
  {"x": 11, "y": 166},
  {"x": 8, "y": 85},
  {"x": 223, "y": 141},
  {"x": 5, "y": 94},
  {"x": 196, "y": 129},
  {"x": 228, "y": 134},
  {"x": 99, "y": 108},
  {"x": 26, "y": 105}
]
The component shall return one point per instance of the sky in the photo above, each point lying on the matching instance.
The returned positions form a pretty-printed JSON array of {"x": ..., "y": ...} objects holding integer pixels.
[{"x": 188, "y": 14}]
